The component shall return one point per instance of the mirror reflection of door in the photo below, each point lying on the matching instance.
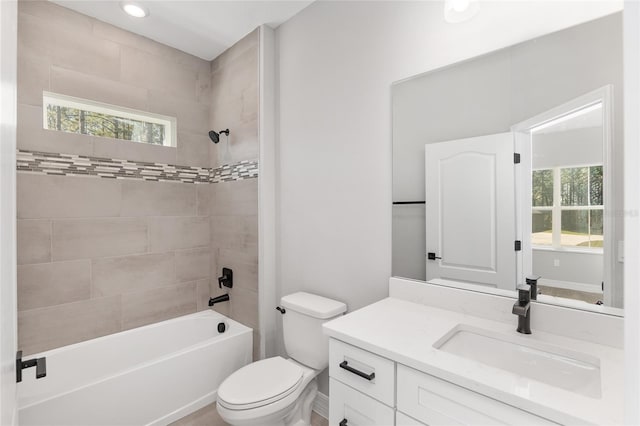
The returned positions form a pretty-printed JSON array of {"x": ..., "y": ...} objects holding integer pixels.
[
  {"x": 567, "y": 200},
  {"x": 470, "y": 211}
]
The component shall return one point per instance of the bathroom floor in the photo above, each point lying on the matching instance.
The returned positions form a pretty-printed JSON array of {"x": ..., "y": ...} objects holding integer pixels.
[
  {"x": 208, "y": 416},
  {"x": 571, "y": 294}
]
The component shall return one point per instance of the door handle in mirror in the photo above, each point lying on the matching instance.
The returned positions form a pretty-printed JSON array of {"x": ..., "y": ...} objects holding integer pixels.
[{"x": 432, "y": 256}]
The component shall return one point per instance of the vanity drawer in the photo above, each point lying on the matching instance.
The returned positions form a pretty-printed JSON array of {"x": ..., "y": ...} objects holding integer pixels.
[
  {"x": 435, "y": 401},
  {"x": 362, "y": 370},
  {"x": 348, "y": 407}
]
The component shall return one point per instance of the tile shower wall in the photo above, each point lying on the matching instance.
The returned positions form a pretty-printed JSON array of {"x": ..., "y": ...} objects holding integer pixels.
[
  {"x": 234, "y": 204},
  {"x": 98, "y": 255},
  {"x": 104, "y": 251}
]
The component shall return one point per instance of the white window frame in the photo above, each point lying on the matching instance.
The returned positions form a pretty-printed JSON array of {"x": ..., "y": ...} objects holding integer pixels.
[
  {"x": 170, "y": 123},
  {"x": 522, "y": 131},
  {"x": 556, "y": 213}
]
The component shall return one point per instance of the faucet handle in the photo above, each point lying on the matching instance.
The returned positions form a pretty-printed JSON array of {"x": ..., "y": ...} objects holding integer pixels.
[
  {"x": 532, "y": 280},
  {"x": 524, "y": 293}
]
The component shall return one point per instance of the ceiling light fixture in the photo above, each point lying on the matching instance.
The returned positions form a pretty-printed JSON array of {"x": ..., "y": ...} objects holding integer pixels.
[
  {"x": 134, "y": 9},
  {"x": 456, "y": 11}
]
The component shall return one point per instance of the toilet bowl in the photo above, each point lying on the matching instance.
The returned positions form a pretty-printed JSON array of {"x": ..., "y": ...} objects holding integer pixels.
[
  {"x": 280, "y": 391},
  {"x": 266, "y": 392}
]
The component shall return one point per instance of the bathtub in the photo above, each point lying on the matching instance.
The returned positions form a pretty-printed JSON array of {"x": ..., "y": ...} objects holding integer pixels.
[{"x": 150, "y": 375}]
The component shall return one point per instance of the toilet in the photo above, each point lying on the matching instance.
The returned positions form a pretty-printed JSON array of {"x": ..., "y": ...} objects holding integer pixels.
[{"x": 279, "y": 391}]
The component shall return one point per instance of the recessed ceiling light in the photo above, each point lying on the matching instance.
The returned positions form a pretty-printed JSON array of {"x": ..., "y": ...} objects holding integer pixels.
[
  {"x": 134, "y": 9},
  {"x": 456, "y": 11}
]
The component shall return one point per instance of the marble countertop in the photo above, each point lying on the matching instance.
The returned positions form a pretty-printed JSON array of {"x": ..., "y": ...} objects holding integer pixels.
[{"x": 405, "y": 332}]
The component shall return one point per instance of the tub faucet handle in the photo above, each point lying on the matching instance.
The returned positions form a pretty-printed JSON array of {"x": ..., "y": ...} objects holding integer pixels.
[{"x": 226, "y": 279}]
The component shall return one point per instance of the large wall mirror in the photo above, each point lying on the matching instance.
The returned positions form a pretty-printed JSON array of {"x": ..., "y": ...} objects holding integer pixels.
[{"x": 509, "y": 165}]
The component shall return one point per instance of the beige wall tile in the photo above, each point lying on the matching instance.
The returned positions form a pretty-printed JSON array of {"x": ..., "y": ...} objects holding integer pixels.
[
  {"x": 245, "y": 275},
  {"x": 33, "y": 78},
  {"x": 193, "y": 264},
  {"x": 73, "y": 83},
  {"x": 175, "y": 232},
  {"x": 47, "y": 196},
  {"x": 234, "y": 231},
  {"x": 193, "y": 149},
  {"x": 203, "y": 86},
  {"x": 202, "y": 294},
  {"x": 141, "y": 198},
  {"x": 223, "y": 308},
  {"x": 30, "y": 135},
  {"x": 34, "y": 241},
  {"x": 235, "y": 198},
  {"x": 66, "y": 45},
  {"x": 52, "y": 327},
  {"x": 57, "y": 16},
  {"x": 49, "y": 284},
  {"x": 133, "y": 151},
  {"x": 126, "y": 38},
  {"x": 244, "y": 306},
  {"x": 152, "y": 71},
  {"x": 117, "y": 275},
  {"x": 92, "y": 238},
  {"x": 192, "y": 116},
  {"x": 203, "y": 192},
  {"x": 151, "y": 306},
  {"x": 235, "y": 100},
  {"x": 256, "y": 345},
  {"x": 250, "y": 41}
]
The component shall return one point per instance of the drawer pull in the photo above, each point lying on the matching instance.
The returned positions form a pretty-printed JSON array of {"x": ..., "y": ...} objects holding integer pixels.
[
  {"x": 345, "y": 365},
  {"x": 343, "y": 422}
]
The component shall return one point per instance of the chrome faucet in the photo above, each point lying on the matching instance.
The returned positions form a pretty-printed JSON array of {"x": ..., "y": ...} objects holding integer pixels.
[{"x": 522, "y": 308}]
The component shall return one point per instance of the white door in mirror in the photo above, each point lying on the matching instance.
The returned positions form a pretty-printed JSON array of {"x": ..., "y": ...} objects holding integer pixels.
[{"x": 470, "y": 210}]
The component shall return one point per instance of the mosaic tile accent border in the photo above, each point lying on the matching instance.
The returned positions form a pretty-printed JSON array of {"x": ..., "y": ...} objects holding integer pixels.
[
  {"x": 238, "y": 171},
  {"x": 82, "y": 165}
]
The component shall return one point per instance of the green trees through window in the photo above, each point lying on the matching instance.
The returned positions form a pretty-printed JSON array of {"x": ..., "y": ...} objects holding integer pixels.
[
  {"x": 567, "y": 207},
  {"x": 75, "y": 120}
]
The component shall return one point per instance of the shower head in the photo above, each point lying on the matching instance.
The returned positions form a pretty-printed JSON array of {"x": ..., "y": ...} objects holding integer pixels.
[{"x": 215, "y": 136}]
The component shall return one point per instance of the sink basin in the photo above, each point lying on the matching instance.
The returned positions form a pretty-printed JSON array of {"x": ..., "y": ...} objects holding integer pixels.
[{"x": 552, "y": 365}]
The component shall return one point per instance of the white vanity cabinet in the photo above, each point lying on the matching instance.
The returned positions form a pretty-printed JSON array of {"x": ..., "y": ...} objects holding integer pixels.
[{"x": 367, "y": 389}]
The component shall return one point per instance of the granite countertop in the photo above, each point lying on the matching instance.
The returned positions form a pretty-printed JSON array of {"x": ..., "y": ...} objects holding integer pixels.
[{"x": 405, "y": 332}]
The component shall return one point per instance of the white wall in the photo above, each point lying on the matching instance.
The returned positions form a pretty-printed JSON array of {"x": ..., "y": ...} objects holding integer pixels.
[
  {"x": 632, "y": 210},
  {"x": 336, "y": 62},
  {"x": 8, "y": 304}
]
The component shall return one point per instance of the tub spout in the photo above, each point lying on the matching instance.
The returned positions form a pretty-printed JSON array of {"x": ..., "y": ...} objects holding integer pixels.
[{"x": 214, "y": 300}]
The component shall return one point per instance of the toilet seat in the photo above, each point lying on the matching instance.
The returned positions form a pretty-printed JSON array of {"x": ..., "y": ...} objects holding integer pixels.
[{"x": 260, "y": 383}]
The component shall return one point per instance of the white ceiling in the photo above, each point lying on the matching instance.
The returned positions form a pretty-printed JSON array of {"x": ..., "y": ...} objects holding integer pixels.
[{"x": 204, "y": 28}]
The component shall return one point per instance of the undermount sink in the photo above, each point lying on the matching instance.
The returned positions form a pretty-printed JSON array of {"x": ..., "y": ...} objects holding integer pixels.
[{"x": 552, "y": 365}]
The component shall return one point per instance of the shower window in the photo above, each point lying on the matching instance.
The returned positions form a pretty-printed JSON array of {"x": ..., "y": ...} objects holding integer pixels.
[{"x": 86, "y": 117}]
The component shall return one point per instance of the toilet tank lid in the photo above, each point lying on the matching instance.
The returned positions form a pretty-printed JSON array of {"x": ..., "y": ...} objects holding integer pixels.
[{"x": 313, "y": 305}]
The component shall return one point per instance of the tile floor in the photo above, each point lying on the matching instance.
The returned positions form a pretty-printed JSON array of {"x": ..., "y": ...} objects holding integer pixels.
[
  {"x": 208, "y": 416},
  {"x": 571, "y": 294}
]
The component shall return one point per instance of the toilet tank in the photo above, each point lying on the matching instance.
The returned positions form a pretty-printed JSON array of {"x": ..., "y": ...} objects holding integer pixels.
[{"x": 302, "y": 322}]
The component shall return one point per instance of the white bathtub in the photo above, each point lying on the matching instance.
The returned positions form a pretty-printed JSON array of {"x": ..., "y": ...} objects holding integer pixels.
[{"x": 150, "y": 375}]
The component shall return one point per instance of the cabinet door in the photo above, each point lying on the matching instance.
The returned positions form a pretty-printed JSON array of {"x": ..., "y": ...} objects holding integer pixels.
[
  {"x": 348, "y": 407},
  {"x": 437, "y": 402}
]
